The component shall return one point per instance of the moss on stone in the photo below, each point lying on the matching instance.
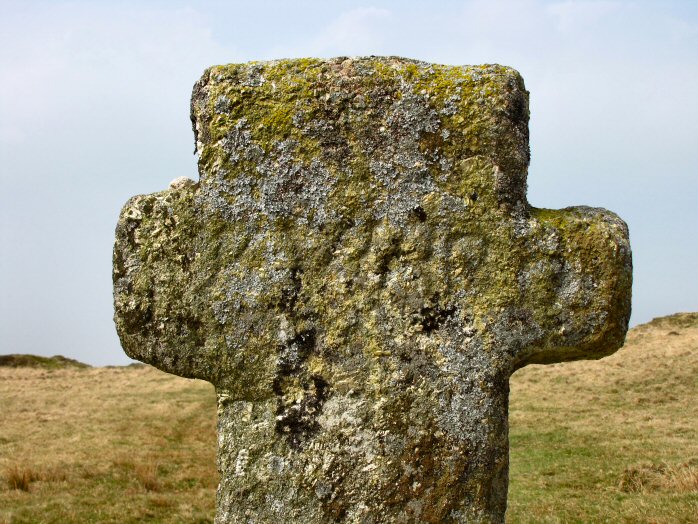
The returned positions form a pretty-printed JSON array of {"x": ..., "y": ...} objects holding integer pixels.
[{"x": 358, "y": 272}]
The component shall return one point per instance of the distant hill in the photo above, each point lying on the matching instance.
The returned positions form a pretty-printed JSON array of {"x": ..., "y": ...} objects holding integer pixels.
[
  {"x": 678, "y": 320},
  {"x": 35, "y": 361}
]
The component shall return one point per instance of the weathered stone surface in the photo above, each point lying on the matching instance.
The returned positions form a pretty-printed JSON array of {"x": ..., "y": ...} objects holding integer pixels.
[{"x": 359, "y": 273}]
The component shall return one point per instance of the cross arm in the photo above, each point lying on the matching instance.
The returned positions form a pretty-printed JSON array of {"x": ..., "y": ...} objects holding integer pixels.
[
  {"x": 156, "y": 314},
  {"x": 581, "y": 282}
]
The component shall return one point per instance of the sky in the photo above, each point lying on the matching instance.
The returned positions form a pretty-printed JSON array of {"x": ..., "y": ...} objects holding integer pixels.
[{"x": 94, "y": 108}]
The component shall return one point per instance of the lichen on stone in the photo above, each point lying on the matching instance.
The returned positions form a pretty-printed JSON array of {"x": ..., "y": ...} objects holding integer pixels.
[{"x": 358, "y": 272}]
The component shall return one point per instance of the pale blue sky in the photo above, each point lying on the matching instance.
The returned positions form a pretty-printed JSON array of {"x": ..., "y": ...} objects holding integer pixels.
[{"x": 94, "y": 108}]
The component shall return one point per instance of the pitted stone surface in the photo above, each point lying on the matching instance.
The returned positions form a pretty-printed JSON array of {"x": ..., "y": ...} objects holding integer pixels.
[{"x": 358, "y": 272}]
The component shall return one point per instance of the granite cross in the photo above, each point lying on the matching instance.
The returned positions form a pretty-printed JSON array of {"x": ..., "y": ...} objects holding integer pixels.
[{"x": 358, "y": 272}]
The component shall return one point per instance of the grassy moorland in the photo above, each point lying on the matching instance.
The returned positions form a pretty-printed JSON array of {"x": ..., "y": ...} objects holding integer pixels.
[
  {"x": 614, "y": 440},
  {"x": 124, "y": 444}
]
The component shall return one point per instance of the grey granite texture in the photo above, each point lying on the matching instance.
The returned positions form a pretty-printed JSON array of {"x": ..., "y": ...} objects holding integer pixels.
[{"x": 358, "y": 272}]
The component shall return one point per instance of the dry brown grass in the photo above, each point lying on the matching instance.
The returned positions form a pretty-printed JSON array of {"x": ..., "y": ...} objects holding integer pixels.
[
  {"x": 678, "y": 478},
  {"x": 20, "y": 477},
  {"x": 147, "y": 475},
  {"x": 106, "y": 445}
]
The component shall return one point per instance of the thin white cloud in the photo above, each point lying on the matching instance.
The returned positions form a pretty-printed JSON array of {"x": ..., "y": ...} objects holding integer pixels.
[
  {"x": 359, "y": 31},
  {"x": 571, "y": 17},
  {"x": 74, "y": 58}
]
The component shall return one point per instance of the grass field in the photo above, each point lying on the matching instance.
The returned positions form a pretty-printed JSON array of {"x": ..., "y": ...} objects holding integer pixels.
[{"x": 614, "y": 440}]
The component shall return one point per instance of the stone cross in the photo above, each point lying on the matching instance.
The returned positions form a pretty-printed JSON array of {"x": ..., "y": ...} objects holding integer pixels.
[{"x": 358, "y": 272}]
